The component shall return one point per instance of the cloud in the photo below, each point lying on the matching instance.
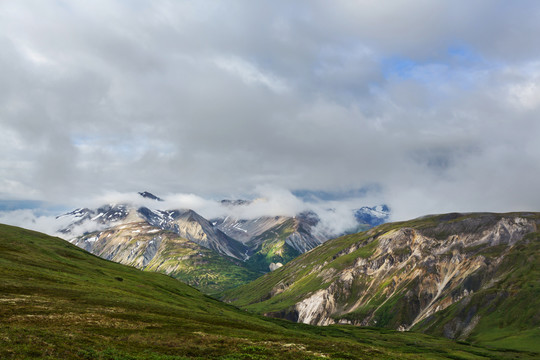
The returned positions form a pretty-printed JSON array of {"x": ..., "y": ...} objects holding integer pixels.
[
  {"x": 32, "y": 219},
  {"x": 336, "y": 216},
  {"x": 434, "y": 103}
]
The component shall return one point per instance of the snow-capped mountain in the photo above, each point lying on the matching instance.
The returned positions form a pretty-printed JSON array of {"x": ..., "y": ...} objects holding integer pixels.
[
  {"x": 151, "y": 248},
  {"x": 186, "y": 223},
  {"x": 194, "y": 227},
  {"x": 275, "y": 240},
  {"x": 262, "y": 244},
  {"x": 372, "y": 216}
]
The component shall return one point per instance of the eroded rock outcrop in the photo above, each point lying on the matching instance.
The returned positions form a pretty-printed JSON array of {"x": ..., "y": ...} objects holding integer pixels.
[{"x": 440, "y": 274}]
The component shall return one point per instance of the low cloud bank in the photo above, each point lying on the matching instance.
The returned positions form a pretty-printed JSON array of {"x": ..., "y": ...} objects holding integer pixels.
[{"x": 336, "y": 216}]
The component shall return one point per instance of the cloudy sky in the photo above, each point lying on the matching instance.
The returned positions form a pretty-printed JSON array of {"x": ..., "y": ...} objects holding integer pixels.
[{"x": 428, "y": 106}]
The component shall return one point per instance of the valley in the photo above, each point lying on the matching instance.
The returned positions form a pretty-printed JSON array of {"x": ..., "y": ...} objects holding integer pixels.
[{"x": 59, "y": 301}]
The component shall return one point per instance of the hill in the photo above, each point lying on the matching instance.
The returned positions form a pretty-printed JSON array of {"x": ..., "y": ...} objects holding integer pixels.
[
  {"x": 60, "y": 302},
  {"x": 472, "y": 277}
]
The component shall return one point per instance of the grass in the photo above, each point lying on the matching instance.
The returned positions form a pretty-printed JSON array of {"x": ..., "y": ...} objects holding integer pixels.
[{"x": 59, "y": 302}]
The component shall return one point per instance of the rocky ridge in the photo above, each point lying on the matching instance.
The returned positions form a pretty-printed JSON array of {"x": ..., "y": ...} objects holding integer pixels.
[{"x": 405, "y": 276}]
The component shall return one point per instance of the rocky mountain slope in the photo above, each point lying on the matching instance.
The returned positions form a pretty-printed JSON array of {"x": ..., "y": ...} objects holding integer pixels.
[
  {"x": 186, "y": 223},
  {"x": 151, "y": 248},
  {"x": 472, "y": 277},
  {"x": 60, "y": 302},
  {"x": 284, "y": 242},
  {"x": 275, "y": 240}
]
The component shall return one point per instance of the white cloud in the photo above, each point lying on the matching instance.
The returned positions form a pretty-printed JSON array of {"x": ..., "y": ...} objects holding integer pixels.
[
  {"x": 31, "y": 219},
  {"x": 423, "y": 98},
  {"x": 250, "y": 74}
]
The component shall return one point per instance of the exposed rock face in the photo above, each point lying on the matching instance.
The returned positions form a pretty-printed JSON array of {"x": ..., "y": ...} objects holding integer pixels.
[
  {"x": 245, "y": 230},
  {"x": 186, "y": 223},
  {"x": 318, "y": 308},
  {"x": 432, "y": 271},
  {"x": 190, "y": 225},
  {"x": 275, "y": 266},
  {"x": 404, "y": 275}
]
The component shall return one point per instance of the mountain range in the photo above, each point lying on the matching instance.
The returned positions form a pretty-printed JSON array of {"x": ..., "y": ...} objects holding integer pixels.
[{"x": 212, "y": 255}]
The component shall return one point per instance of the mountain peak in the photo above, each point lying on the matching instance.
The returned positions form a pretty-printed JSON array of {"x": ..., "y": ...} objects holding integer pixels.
[{"x": 148, "y": 195}]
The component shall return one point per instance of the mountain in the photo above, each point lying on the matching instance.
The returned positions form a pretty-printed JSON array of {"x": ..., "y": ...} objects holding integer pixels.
[
  {"x": 472, "y": 277},
  {"x": 60, "y": 302},
  {"x": 179, "y": 243},
  {"x": 186, "y": 223},
  {"x": 150, "y": 248},
  {"x": 148, "y": 195},
  {"x": 194, "y": 227},
  {"x": 372, "y": 216},
  {"x": 275, "y": 240}
]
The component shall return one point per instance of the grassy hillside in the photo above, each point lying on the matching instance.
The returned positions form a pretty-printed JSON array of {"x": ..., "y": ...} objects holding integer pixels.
[
  {"x": 200, "y": 267},
  {"x": 272, "y": 248},
  {"x": 59, "y": 302},
  {"x": 423, "y": 272}
]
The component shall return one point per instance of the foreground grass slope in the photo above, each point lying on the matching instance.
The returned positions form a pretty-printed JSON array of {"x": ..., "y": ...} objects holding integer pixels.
[
  {"x": 59, "y": 302},
  {"x": 473, "y": 277}
]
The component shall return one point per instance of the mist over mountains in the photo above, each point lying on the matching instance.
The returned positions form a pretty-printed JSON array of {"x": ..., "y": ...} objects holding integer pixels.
[
  {"x": 212, "y": 254},
  {"x": 336, "y": 216}
]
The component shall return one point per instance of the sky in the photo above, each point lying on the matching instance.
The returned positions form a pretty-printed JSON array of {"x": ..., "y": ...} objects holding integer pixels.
[{"x": 428, "y": 106}]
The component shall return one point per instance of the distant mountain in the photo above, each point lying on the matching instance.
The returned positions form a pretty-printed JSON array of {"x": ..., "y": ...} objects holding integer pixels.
[
  {"x": 194, "y": 227},
  {"x": 275, "y": 240},
  {"x": 185, "y": 223},
  {"x": 372, "y": 216},
  {"x": 246, "y": 246},
  {"x": 180, "y": 243},
  {"x": 147, "y": 195},
  {"x": 472, "y": 277}
]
